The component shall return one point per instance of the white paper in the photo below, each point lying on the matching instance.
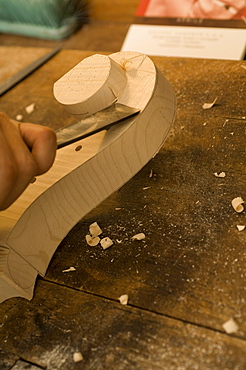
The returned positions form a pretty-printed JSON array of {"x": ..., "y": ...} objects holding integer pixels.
[{"x": 181, "y": 41}]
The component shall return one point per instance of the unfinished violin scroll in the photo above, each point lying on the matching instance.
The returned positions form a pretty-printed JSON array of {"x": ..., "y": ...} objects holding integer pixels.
[
  {"x": 92, "y": 85},
  {"x": 32, "y": 228}
]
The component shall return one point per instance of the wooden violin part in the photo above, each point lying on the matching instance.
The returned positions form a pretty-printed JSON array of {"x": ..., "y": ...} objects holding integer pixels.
[{"x": 32, "y": 228}]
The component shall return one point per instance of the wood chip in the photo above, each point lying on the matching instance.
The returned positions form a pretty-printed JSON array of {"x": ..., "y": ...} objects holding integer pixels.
[
  {"x": 106, "y": 243},
  {"x": 95, "y": 229},
  {"x": 30, "y": 108},
  {"x": 19, "y": 117},
  {"x": 219, "y": 174},
  {"x": 240, "y": 227},
  {"x": 230, "y": 326},
  {"x": 123, "y": 299},
  {"x": 92, "y": 241},
  {"x": 139, "y": 236},
  {"x": 209, "y": 105},
  {"x": 77, "y": 357},
  {"x": 237, "y": 204},
  {"x": 70, "y": 269}
]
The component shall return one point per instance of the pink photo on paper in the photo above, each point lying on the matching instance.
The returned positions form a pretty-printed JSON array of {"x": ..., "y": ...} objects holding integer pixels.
[{"x": 206, "y": 9}]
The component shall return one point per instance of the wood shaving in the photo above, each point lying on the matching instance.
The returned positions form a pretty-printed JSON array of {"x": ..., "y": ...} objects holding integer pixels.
[
  {"x": 19, "y": 117},
  {"x": 70, "y": 269},
  {"x": 219, "y": 174},
  {"x": 124, "y": 62},
  {"x": 95, "y": 229},
  {"x": 123, "y": 299},
  {"x": 30, "y": 108},
  {"x": 209, "y": 105},
  {"x": 230, "y": 326},
  {"x": 139, "y": 236},
  {"x": 92, "y": 241},
  {"x": 240, "y": 227},
  {"x": 237, "y": 204},
  {"x": 106, "y": 243},
  {"x": 77, "y": 357}
]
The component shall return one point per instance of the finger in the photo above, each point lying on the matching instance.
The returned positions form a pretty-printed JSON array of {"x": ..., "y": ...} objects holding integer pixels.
[
  {"x": 26, "y": 165},
  {"x": 16, "y": 163},
  {"x": 25, "y": 152},
  {"x": 42, "y": 143},
  {"x": 8, "y": 170}
]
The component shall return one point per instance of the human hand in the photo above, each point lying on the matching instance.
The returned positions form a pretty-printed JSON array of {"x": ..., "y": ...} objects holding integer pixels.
[{"x": 26, "y": 150}]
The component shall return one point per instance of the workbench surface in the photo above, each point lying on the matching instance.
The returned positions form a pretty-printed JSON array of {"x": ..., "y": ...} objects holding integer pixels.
[{"x": 185, "y": 279}]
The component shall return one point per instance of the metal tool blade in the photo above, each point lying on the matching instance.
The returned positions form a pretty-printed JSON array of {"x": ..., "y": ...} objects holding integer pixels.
[{"x": 94, "y": 123}]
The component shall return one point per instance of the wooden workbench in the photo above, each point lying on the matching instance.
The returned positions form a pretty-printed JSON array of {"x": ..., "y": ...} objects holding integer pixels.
[
  {"x": 184, "y": 280},
  {"x": 188, "y": 276}
]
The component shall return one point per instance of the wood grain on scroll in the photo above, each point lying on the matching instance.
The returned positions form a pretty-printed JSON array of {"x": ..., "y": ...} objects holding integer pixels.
[{"x": 32, "y": 228}]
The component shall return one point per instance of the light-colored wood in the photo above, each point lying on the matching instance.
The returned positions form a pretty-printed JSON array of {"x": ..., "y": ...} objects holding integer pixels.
[
  {"x": 13, "y": 60},
  {"x": 92, "y": 85},
  {"x": 17, "y": 276},
  {"x": 32, "y": 228}
]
